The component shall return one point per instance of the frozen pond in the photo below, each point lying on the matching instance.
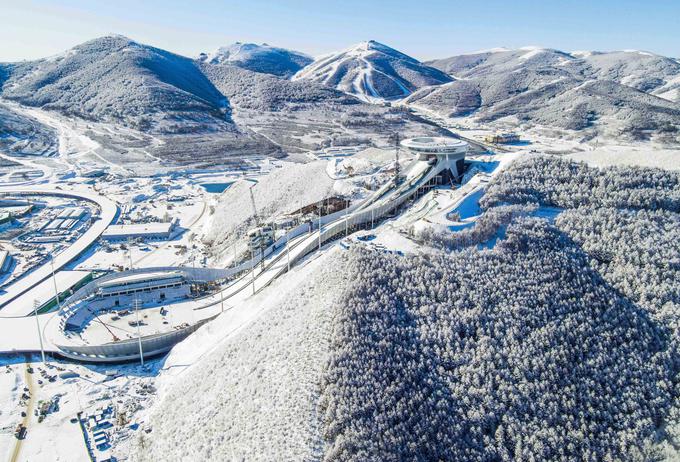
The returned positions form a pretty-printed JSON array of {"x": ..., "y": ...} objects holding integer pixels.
[{"x": 216, "y": 188}]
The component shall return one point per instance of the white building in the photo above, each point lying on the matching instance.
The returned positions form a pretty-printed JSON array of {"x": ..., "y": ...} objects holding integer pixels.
[
  {"x": 449, "y": 153},
  {"x": 147, "y": 231},
  {"x": 146, "y": 287}
]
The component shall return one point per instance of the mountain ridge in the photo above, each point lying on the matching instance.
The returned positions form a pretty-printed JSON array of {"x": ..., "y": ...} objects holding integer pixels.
[{"x": 372, "y": 70}]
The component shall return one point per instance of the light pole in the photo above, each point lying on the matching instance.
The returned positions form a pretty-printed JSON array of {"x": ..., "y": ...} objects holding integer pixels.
[
  {"x": 139, "y": 336},
  {"x": 288, "y": 252},
  {"x": 319, "y": 227},
  {"x": 54, "y": 280},
  {"x": 130, "y": 251},
  {"x": 252, "y": 268},
  {"x": 346, "y": 218},
  {"x": 222, "y": 299},
  {"x": 36, "y": 304}
]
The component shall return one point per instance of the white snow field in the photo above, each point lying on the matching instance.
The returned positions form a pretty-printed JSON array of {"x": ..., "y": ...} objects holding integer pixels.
[
  {"x": 641, "y": 156},
  {"x": 252, "y": 388}
]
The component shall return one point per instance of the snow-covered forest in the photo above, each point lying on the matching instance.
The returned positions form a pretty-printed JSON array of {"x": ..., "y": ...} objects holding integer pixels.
[
  {"x": 557, "y": 344},
  {"x": 523, "y": 352}
]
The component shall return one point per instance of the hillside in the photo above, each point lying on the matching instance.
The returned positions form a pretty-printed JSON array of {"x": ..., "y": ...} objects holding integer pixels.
[
  {"x": 615, "y": 94},
  {"x": 115, "y": 79},
  {"x": 647, "y": 72},
  {"x": 302, "y": 115},
  {"x": 264, "y": 405},
  {"x": 247, "y": 89},
  {"x": 557, "y": 343},
  {"x": 290, "y": 188},
  {"x": 259, "y": 58},
  {"x": 23, "y": 135},
  {"x": 372, "y": 70}
]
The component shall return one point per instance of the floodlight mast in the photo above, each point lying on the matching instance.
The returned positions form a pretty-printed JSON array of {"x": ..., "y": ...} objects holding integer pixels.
[
  {"x": 397, "y": 167},
  {"x": 36, "y": 304},
  {"x": 139, "y": 336}
]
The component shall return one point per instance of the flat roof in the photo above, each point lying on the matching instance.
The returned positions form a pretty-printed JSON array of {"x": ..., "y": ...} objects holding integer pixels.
[
  {"x": 140, "y": 277},
  {"x": 43, "y": 293},
  {"x": 138, "y": 229},
  {"x": 425, "y": 142}
]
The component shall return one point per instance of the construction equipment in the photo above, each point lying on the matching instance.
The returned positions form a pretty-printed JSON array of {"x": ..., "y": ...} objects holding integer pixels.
[{"x": 115, "y": 338}]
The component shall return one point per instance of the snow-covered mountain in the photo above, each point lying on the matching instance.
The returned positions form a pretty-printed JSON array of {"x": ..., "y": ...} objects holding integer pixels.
[
  {"x": 194, "y": 110},
  {"x": 372, "y": 70},
  {"x": 259, "y": 58},
  {"x": 116, "y": 79},
  {"x": 644, "y": 71},
  {"x": 623, "y": 93}
]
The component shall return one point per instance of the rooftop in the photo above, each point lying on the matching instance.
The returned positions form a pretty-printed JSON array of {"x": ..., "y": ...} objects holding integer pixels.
[
  {"x": 141, "y": 277},
  {"x": 425, "y": 142},
  {"x": 138, "y": 229}
]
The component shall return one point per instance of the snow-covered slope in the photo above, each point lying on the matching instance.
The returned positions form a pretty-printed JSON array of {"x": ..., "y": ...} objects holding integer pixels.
[
  {"x": 610, "y": 93},
  {"x": 115, "y": 79},
  {"x": 253, "y": 394},
  {"x": 24, "y": 135},
  {"x": 284, "y": 190},
  {"x": 290, "y": 188},
  {"x": 259, "y": 58},
  {"x": 247, "y": 89},
  {"x": 372, "y": 70},
  {"x": 644, "y": 71}
]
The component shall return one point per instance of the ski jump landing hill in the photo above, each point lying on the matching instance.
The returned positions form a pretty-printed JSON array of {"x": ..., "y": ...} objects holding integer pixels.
[{"x": 434, "y": 159}]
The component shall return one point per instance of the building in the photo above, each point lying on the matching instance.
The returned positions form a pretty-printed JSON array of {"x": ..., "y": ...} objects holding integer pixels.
[
  {"x": 122, "y": 292},
  {"x": 146, "y": 231},
  {"x": 447, "y": 153},
  {"x": 146, "y": 287},
  {"x": 502, "y": 138}
]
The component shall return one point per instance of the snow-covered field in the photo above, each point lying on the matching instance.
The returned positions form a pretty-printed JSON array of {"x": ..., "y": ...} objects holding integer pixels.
[{"x": 645, "y": 155}]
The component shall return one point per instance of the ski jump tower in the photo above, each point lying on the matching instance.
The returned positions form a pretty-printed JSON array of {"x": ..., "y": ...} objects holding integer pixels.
[{"x": 446, "y": 154}]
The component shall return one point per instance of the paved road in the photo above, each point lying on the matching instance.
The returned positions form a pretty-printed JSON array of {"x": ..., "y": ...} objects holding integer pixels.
[
  {"x": 29, "y": 410},
  {"x": 108, "y": 211}
]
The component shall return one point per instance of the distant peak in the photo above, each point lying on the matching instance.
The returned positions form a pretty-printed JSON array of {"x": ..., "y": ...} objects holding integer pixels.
[
  {"x": 370, "y": 45},
  {"x": 112, "y": 39},
  {"x": 373, "y": 45}
]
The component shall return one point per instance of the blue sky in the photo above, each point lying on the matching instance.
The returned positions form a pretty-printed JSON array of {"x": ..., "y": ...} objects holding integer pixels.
[{"x": 425, "y": 29}]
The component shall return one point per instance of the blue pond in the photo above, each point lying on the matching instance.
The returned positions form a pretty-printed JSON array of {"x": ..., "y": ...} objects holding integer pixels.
[{"x": 216, "y": 188}]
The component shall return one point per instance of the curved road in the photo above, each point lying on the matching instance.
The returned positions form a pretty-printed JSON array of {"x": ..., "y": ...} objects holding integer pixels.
[{"x": 108, "y": 212}]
